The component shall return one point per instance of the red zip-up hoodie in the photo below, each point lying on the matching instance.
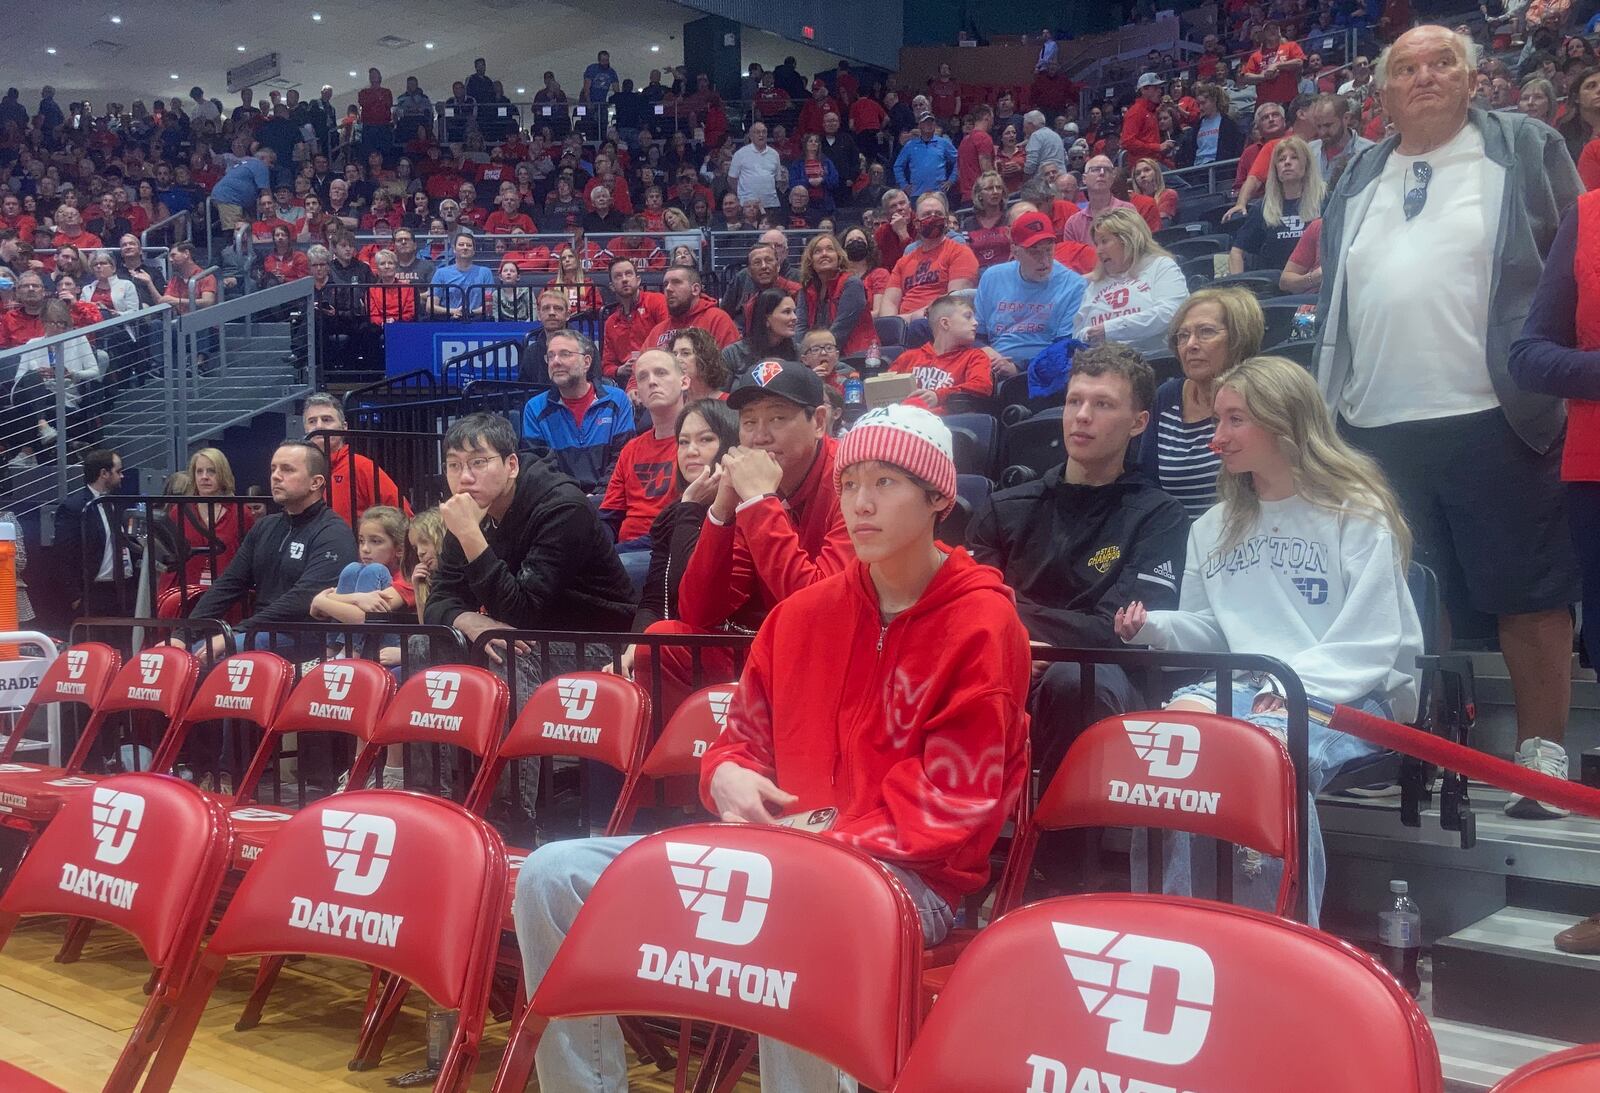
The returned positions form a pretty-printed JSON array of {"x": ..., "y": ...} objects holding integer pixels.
[{"x": 915, "y": 731}]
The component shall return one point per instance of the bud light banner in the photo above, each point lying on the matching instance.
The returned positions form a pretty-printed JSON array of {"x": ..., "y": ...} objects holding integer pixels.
[{"x": 409, "y": 346}]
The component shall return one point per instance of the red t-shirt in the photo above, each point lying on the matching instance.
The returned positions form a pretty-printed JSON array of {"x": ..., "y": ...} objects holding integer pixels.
[
  {"x": 925, "y": 274},
  {"x": 1078, "y": 257},
  {"x": 1307, "y": 254},
  {"x": 890, "y": 246},
  {"x": 968, "y": 168},
  {"x": 641, "y": 484},
  {"x": 943, "y": 95},
  {"x": 178, "y": 287},
  {"x": 580, "y": 405},
  {"x": 963, "y": 370},
  {"x": 867, "y": 116},
  {"x": 1285, "y": 85},
  {"x": 377, "y": 105},
  {"x": 498, "y": 223},
  {"x": 1589, "y": 165},
  {"x": 83, "y": 240}
]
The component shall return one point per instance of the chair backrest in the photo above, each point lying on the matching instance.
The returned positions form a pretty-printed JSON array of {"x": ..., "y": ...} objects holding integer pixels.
[
  {"x": 1180, "y": 770},
  {"x": 405, "y": 882},
  {"x": 983, "y": 455},
  {"x": 1424, "y": 588},
  {"x": 458, "y": 705},
  {"x": 248, "y": 687},
  {"x": 143, "y": 852},
  {"x": 719, "y": 922},
  {"x": 160, "y": 680},
  {"x": 1575, "y": 1070},
  {"x": 695, "y": 724},
  {"x": 1158, "y": 992},
  {"x": 1035, "y": 443},
  {"x": 80, "y": 675}
]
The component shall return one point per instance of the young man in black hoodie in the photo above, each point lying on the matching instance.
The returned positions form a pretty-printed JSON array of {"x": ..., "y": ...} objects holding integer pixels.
[
  {"x": 523, "y": 547},
  {"x": 285, "y": 558},
  {"x": 1077, "y": 543}
]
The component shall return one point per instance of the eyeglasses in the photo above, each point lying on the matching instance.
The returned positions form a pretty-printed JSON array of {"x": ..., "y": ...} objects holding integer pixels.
[
  {"x": 1417, "y": 196},
  {"x": 1203, "y": 333},
  {"x": 1102, "y": 169},
  {"x": 476, "y": 465},
  {"x": 811, "y": 349}
]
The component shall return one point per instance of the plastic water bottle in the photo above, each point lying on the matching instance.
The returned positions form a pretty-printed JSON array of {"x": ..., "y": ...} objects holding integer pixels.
[
  {"x": 874, "y": 359},
  {"x": 441, "y": 1030},
  {"x": 1400, "y": 937}
]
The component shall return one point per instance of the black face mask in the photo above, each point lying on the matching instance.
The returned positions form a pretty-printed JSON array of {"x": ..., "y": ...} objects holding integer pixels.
[{"x": 856, "y": 250}]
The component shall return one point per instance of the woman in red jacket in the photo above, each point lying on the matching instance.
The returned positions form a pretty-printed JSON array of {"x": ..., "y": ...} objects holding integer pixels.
[
  {"x": 211, "y": 534},
  {"x": 833, "y": 298},
  {"x": 893, "y": 692}
]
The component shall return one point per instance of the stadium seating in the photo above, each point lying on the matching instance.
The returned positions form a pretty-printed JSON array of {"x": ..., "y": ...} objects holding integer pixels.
[{"x": 1576, "y": 1070}]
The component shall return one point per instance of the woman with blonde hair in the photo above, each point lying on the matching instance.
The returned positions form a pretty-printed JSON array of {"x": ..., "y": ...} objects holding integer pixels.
[
  {"x": 1266, "y": 238},
  {"x": 1135, "y": 288},
  {"x": 1148, "y": 180},
  {"x": 211, "y": 533},
  {"x": 1214, "y": 330},
  {"x": 831, "y": 297},
  {"x": 1305, "y": 559},
  {"x": 987, "y": 228}
]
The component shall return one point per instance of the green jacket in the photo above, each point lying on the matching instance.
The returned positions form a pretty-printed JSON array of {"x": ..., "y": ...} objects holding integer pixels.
[{"x": 1541, "y": 185}]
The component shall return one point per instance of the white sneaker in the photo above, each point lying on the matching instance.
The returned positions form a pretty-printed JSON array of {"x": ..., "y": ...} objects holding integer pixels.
[
  {"x": 48, "y": 434},
  {"x": 394, "y": 777},
  {"x": 1546, "y": 758}
]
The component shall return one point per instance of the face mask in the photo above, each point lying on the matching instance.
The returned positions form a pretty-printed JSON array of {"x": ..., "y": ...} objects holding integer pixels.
[
  {"x": 931, "y": 227},
  {"x": 856, "y": 250}
]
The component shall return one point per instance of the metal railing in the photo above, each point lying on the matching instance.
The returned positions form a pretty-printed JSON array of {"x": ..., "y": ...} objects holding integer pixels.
[
  {"x": 170, "y": 226},
  {"x": 412, "y": 461}
]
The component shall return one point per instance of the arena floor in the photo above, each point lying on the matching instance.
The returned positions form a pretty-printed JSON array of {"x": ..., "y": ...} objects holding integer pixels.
[{"x": 68, "y": 1022}]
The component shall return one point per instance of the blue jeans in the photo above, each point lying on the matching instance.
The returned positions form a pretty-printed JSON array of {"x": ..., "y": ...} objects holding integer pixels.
[
  {"x": 585, "y": 1054},
  {"x": 363, "y": 577},
  {"x": 1191, "y": 861}
]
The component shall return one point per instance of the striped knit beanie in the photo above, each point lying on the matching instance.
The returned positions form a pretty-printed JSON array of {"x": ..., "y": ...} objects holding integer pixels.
[{"x": 907, "y": 437}]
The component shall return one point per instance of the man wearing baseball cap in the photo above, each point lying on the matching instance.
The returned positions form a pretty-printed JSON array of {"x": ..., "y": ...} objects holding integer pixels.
[
  {"x": 913, "y": 648},
  {"x": 927, "y": 162},
  {"x": 773, "y": 527},
  {"x": 1141, "y": 131},
  {"x": 1027, "y": 303}
]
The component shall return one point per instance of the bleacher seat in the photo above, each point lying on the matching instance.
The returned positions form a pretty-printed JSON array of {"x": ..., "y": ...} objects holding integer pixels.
[
  {"x": 847, "y": 993},
  {"x": 1166, "y": 366},
  {"x": 1575, "y": 1070},
  {"x": 145, "y": 853},
  {"x": 421, "y": 883},
  {"x": 1303, "y": 353},
  {"x": 1177, "y": 232},
  {"x": 1152, "y": 992},
  {"x": 1264, "y": 283},
  {"x": 1035, "y": 445},
  {"x": 977, "y": 445},
  {"x": 1196, "y": 245},
  {"x": 1199, "y": 270}
]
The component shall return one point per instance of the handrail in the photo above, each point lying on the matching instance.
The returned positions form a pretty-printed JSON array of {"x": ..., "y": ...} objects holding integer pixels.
[
  {"x": 194, "y": 283},
  {"x": 144, "y": 236}
]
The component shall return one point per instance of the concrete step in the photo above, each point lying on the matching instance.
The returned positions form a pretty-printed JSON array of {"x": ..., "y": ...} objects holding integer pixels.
[
  {"x": 1505, "y": 972},
  {"x": 1476, "y": 1058}
]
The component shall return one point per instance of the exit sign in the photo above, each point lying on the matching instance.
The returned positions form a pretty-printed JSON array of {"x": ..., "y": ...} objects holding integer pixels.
[{"x": 809, "y": 32}]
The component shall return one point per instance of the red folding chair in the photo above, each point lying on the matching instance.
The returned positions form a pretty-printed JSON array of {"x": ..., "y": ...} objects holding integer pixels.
[
  {"x": 14, "y": 1079},
  {"x": 79, "y": 676},
  {"x": 683, "y": 742},
  {"x": 1174, "y": 770},
  {"x": 249, "y": 687},
  {"x": 157, "y": 681},
  {"x": 407, "y": 883},
  {"x": 754, "y": 899},
  {"x": 145, "y": 853},
  {"x": 1160, "y": 992},
  {"x": 1575, "y": 1070}
]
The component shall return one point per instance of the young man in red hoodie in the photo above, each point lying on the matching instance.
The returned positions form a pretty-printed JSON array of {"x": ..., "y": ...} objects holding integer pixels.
[
  {"x": 687, "y": 307},
  {"x": 913, "y": 648}
]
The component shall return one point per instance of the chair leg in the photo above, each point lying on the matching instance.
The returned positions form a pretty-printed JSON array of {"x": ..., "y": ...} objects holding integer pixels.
[
  {"x": 266, "y": 976},
  {"x": 72, "y": 944},
  {"x": 741, "y": 1062},
  {"x": 522, "y": 1043},
  {"x": 379, "y": 1022}
]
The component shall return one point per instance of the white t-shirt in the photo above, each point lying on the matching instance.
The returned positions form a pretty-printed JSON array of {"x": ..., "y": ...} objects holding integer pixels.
[
  {"x": 1136, "y": 308},
  {"x": 1419, "y": 290},
  {"x": 756, "y": 174}
]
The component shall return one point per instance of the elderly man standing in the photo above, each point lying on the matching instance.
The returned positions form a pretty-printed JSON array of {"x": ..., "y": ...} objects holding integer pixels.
[
  {"x": 1044, "y": 144},
  {"x": 1415, "y": 364},
  {"x": 755, "y": 168}
]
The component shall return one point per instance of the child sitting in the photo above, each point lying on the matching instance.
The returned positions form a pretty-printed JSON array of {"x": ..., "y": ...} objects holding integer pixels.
[{"x": 952, "y": 364}]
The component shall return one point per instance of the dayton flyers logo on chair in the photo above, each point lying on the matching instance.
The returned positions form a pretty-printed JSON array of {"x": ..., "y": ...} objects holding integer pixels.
[
  {"x": 337, "y": 678},
  {"x": 77, "y": 664},
  {"x": 729, "y": 891},
  {"x": 1157, "y": 994},
  {"x": 240, "y": 673},
  {"x": 114, "y": 819},
  {"x": 577, "y": 702},
  {"x": 150, "y": 665},
  {"x": 359, "y": 847},
  {"x": 718, "y": 701},
  {"x": 443, "y": 688},
  {"x": 1171, "y": 751}
]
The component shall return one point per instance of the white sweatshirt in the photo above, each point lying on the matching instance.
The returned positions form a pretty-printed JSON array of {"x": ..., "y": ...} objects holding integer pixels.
[
  {"x": 1136, "y": 308},
  {"x": 1321, "y": 590}
]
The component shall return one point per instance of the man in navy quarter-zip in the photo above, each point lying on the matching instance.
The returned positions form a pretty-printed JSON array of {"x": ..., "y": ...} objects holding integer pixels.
[{"x": 288, "y": 557}]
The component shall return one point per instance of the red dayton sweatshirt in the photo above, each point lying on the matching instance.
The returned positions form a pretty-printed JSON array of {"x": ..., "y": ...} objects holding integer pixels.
[{"x": 915, "y": 731}]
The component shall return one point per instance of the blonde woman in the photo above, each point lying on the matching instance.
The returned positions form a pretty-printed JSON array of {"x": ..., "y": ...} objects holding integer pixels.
[
  {"x": 1214, "y": 330},
  {"x": 987, "y": 229},
  {"x": 1135, "y": 288},
  {"x": 1304, "y": 559},
  {"x": 1148, "y": 180},
  {"x": 211, "y": 533},
  {"x": 1270, "y": 230}
]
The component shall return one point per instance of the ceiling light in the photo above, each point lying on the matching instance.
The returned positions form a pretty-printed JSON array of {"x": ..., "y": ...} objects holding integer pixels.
[
  {"x": 239, "y": 48},
  {"x": 174, "y": 76},
  {"x": 522, "y": 90},
  {"x": 427, "y": 45},
  {"x": 117, "y": 19},
  {"x": 655, "y": 49},
  {"x": 352, "y": 72},
  {"x": 316, "y": 17},
  {"x": 50, "y": 50}
]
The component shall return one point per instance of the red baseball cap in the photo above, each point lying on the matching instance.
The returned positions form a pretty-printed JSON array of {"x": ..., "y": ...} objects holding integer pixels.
[{"x": 1031, "y": 228}]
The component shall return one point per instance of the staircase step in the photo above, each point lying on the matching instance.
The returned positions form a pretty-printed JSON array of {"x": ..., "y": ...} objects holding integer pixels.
[
  {"x": 1505, "y": 972},
  {"x": 1476, "y": 1058}
]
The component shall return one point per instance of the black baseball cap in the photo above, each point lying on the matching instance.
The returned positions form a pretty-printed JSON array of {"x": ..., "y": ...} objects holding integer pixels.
[{"x": 786, "y": 379}]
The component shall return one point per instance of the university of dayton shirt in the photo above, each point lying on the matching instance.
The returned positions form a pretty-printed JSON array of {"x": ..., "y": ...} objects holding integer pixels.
[{"x": 641, "y": 484}]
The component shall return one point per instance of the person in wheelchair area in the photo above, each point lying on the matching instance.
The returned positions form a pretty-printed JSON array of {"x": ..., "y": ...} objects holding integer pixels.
[{"x": 1303, "y": 559}]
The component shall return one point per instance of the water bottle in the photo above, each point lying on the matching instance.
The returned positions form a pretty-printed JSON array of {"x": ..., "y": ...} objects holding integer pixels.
[
  {"x": 874, "y": 358},
  {"x": 1400, "y": 937},
  {"x": 855, "y": 392},
  {"x": 1305, "y": 325},
  {"x": 441, "y": 1030}
]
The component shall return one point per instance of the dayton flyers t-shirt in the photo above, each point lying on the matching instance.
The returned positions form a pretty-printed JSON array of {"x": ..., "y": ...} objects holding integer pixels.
[
  {"x": 641, "y": 484},
  {"x": 964, "y": 370},
  {"x": 1268, "y": 247},
  {"x": 925, "y": 274}
]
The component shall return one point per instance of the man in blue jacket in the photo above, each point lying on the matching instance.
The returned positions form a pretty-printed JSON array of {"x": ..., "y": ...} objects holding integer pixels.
[
  {"x": 927, "y": 162},
  {"x": 580, "y": 427}
]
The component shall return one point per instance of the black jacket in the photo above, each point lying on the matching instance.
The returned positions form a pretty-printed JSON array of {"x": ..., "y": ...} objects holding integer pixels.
[
  {"x": 81, "y": 536},
  {"x": 286, "y": 560},
  {"x": 550, "y": 564},
  {"x": 1230, "y": 142},
  {"x": 672, "y": 538},
  {"x": 1075, "y": 554}
]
